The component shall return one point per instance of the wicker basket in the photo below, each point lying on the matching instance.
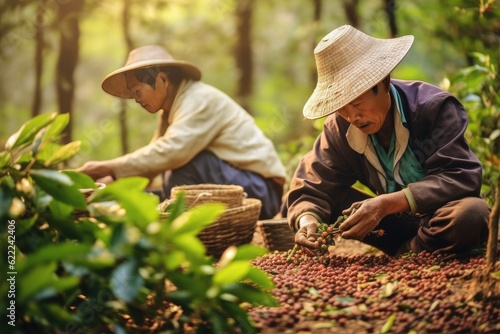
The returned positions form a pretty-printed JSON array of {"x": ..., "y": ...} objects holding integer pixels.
[
  {"x": 235, "y": 227},
  {"x": 276, "y": 234},
  {"x": 231, "y": 195}
]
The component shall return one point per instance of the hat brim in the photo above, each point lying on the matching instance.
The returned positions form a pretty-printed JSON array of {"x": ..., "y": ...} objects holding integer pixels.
[
  {"x": 358, "y": 77},
  {"x": 115, "y": 83}
]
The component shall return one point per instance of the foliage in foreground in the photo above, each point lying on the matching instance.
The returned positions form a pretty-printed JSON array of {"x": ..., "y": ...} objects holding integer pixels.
[
  {"x": 478, "y": 88},
  {"x": 106, "y": 263}
]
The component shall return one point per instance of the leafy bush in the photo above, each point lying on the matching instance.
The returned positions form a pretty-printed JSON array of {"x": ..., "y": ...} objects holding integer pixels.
[
  {"x": 478, "y": 88},
  {"x": 109, "y": 262}
]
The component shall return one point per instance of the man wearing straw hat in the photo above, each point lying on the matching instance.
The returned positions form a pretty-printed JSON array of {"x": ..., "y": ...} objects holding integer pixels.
[
  {"x": 404, "y": 140},
  {"x": 203, "y": 136}
]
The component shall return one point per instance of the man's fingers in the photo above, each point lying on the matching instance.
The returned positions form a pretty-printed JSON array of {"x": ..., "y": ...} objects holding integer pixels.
[
  {"x": 348, "y": 223},
  {"x": 308, "y": 242}
]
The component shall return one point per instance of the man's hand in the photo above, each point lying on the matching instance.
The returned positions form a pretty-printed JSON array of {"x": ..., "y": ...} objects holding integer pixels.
[
  {"x": 96, "y": 169},
  {"x": 305, "y": 236},
  {"x": 363, "y": 218}
]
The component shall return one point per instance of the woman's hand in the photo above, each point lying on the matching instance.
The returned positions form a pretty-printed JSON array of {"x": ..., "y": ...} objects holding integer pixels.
[
  {"x": 363, "y": 217},
  {"x": 96, "y": 169},
  {"x": 305, "y": 236}
]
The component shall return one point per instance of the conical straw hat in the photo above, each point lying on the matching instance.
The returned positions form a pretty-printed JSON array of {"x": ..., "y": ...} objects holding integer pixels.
[{"x": 349, "y": 63}]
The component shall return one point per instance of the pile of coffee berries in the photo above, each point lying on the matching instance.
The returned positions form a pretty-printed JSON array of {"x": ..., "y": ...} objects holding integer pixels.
[{"x": 413, "y": 293}]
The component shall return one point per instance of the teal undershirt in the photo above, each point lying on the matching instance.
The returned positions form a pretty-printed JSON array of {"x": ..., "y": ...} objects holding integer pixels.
[{"x": 410, "y": 169}]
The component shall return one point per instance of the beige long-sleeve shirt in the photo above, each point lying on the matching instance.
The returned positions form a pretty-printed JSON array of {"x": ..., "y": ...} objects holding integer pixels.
[{"x": 203, "y": 118}]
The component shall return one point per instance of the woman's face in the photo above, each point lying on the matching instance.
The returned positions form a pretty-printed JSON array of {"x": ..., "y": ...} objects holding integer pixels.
[
  {"x": 369, "y": 111},
  {"x": 151, "y": 99}
]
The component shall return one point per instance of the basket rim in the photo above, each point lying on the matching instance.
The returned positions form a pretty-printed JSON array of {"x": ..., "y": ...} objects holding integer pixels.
[
  {"x": 207, "y": 186},
  {"x": 275, "y": 221}
]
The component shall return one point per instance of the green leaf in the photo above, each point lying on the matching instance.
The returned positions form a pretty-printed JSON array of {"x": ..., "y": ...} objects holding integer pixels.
[
  {"x": 37, "y": 142},
  {"x": 218, "y": 322},
  {"x": 182, "y": 298},
  {"x": 57, "y": 314},
  {"x": 191, "y": 246},
  {"x": 95, "y": 261},
  {"x": 434, "y": 268},
  {"x": 80, "y": 180},
  {"x": 38, "y": 278},
  {"x": 242, "y": 320},
  {"x": 249, "y": 252},
  {"x": 60, "y": 187},
  {"x": 126, "y": 281},
  {"x": 388, "y": 323},
  {"x": 28, "y": 131},
  {"x": 233, "y": 272},
  {"x": 250, "y": 294},
  {"x": 24, "y": 225},
  {"x": 5, "y": 202},
  {"x": 173, "y": 260},
  {"x": 52, "y": 253},
  {"x": 4, "y": 159},
  {"x": 185, "y": 281},
  {"x": 56, "y": 127},
  {"x": 64, "y": 153},
  {"x": 58, "y": 285},
  {"x": 140, "y": 206},
  {"x": 260, "y": 278},
  {"x": 197, "y": 218},
  {"x": 60, "y": 210},
  {"x": 178, "y": 206}
]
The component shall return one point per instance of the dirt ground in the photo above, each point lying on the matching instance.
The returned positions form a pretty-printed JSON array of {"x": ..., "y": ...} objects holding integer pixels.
[
  {"x": 343, "y": 247},
  {"x": 452, "y": 298}
]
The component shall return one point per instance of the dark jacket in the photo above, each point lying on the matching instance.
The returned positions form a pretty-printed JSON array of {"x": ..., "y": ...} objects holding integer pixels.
[{"x": 436, "y": 123}]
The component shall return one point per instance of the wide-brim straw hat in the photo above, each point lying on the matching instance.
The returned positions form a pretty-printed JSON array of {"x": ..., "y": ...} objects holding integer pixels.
[
  {"x": 349, "y": 63},
  {"x": 147, "y": 56}
]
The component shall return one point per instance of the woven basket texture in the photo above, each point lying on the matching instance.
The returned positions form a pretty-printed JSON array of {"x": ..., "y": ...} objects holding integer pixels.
[
  {"x": 235, "y": 227},
  {"x": 276, "y": 234},
  {"x": 231, "y": 195}
]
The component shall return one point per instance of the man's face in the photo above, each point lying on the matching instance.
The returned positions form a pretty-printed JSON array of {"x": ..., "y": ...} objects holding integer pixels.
[
  {"x": 149, "y": 98},
  {"x": 368, "y": 112}
]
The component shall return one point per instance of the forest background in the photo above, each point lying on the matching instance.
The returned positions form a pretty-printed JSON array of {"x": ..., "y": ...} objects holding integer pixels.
[{"x": 55, "y": 53}]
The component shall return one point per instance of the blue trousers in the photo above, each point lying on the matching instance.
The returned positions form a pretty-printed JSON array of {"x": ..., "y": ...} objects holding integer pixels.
[{"x": 206, "y": 167}]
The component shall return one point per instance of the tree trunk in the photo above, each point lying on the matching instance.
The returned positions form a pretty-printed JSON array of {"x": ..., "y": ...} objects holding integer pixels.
[
  {"x": 390, "y": 9},
  {"x": 243, "y": 51},
  {"x": 317, "y": 7},
  {"x": 494, "y": 220},
  {"x": 68, "y": 20},
  {"x": 351, "y": 12},
  {"x": 39, "y": 46},
  {"x": 123, "y": 103}
]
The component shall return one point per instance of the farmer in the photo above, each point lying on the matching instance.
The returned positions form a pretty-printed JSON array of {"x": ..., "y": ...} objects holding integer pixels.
[
  {"x": 404, "y": 140},
  {"x": 203, "y": 136}
]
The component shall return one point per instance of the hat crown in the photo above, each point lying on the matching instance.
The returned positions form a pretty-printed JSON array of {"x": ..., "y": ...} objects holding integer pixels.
[
  {"x": 333, "y": 37},
  {"x": 146, "y": 56},
  {"x": 338, "y": 49},
  {"x": 350, "y": 62},
  {"x": 148, "y": 53}
]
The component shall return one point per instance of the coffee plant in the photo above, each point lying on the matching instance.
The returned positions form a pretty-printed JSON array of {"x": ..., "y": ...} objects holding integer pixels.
[{"x": 107, "y": 263}]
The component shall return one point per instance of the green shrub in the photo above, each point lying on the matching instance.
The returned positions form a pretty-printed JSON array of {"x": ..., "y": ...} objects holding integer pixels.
[
  {"x": 478, "y": 88},
  {"x": 108, "y": 263}
]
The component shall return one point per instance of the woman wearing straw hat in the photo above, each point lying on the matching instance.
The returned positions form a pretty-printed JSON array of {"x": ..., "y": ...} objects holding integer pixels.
[
  {"x": 203, "y": 136},
  {"x": 404, "y": 140}
]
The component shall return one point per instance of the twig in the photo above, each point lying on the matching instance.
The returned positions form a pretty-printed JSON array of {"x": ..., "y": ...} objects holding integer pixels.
[{"x": 491, "y": 248}]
